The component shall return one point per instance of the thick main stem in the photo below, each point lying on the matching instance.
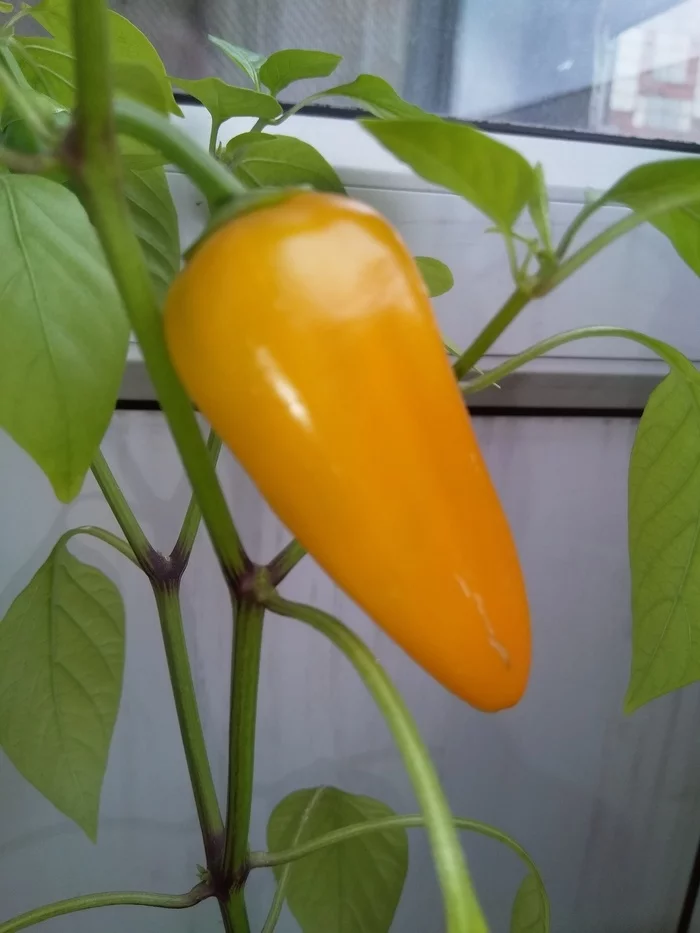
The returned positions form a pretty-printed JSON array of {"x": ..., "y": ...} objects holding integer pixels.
[
  {"x": 97, "y": 169},
  {"x": 170, "y": 615},
  {"x": 245, "y": 672},
  {"x": 493, "y": 330}
]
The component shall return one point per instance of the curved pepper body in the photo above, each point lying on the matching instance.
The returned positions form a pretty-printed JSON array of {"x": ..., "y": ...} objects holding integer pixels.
[{"x": 304, "y": 333}]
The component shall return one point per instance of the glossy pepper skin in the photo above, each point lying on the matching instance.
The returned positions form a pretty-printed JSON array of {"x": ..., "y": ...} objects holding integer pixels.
[{"x": 304, "y": 333}]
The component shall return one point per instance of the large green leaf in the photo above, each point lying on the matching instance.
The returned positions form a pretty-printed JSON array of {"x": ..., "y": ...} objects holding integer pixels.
[
  {"x": 262, "y": 160},
  {"x": 61, "y": 664},
  {"x": 352, "y": 887},
  {"x": 436, "y": 275},
  {"x": 226, "y": 100},
  {"x": 155, "y": 221},
  {"x": 50, "y": 67},
  {"x": 378, "y": 97},
  {"x": 493, "y": 177},
  {"x": 668, "y": 194},
  {"x": 530, "y": 912},
  {"x": 664, "y": 541},
  {"x": 288, "y": 65},
  {"x": 127, "y": 43},
  {"x": 63, "y": 331},
  {"x": 249, "y": 62}
]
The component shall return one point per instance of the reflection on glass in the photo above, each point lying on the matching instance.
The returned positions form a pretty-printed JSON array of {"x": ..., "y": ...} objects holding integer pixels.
[{"x": 626, "y": 67}]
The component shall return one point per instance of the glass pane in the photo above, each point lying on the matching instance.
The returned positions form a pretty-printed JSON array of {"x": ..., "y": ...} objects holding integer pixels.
[{"x": 624, "y": 67}]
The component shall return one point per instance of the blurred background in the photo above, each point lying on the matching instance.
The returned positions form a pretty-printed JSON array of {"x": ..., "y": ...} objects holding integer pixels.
[{"x": 625, "y": 67}]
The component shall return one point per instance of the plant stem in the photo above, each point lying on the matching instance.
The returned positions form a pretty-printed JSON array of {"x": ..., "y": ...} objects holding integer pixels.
[
  {"x": 287, "y": 559},
  {"x": 245, "y": 672},
  {"x": 667, "y": 353},
  {"x": 214, "y": 136},
  {"x": 214, "y": 181},
  {"x": 112, "y": 899},
  {"x": 169, "y": 613},
  {"x": 12, "y": 66},
  {"x": 413, "y": 821},
  {"x": 119, "y": 544},
  {"x": 277, "y": 904},
  {"x": 96, "y": 164},
  {"x": 140, "y": 545},
  {"x": 490, "y": 333},
  {"x": 287, "y": 856},
  {"x": 193, "y": 516},
  {"x": 462, "y": 910}
]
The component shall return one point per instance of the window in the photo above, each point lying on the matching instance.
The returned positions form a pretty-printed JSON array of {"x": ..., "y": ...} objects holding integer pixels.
[
  {"x": 581, "y": 65},
  {"x": 671, "y": 54},
  {"x": 663, "y": 113}
]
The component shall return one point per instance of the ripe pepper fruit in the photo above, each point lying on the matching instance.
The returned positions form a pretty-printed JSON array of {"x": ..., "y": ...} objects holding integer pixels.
[{"x": 304, "y": 333}]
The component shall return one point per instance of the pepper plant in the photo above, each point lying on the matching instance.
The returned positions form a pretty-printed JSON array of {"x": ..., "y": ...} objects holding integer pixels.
[{"x": 90, "y": 247}]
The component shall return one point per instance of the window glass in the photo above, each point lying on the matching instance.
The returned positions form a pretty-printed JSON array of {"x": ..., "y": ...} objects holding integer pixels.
[{"x": 623, "y": 67}]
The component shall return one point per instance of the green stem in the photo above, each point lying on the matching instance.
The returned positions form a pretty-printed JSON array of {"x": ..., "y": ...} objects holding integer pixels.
[
  {"x": 287, "y": 856},
  {"x": 412, "y": 821},
  {"x": 461, "y": 907},
  {"x": 245, "y": 672},
  {"x": 214, "y": 181},
  {"x": 667, "y": 353},
  {"x": 119, "y": 544},
  {"x": 139, "y": 543},
  {"x": 277, "y": 903},
  {"x": 193, "y": 516},
  {"x": 214, "y": 136},
  {"x": 169, "y": 613},
  {"x": 98, "y": 171},
  {"x": 112, "y": 899},
  {"x": 579, "y": 220},
  {"x": 605, "y": 238},
  {"x": 491, "y": 333},
  {"x": 287, "y": 559},
  {"x": 13, "y": 67}
]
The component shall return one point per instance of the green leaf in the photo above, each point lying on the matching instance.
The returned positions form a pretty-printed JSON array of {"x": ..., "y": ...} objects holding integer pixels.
[
  {"x": 493, "y": 177},
  {"x": 437, "y": 276},
  {"x": 63, "y": 331},
  {"x": 225, "y": 100},
  {"x": 280, "y": 161},
  {"x": 155, "y": 222},
  {"x": 664, "y": 541},
  {"x": 128, "y": 44},
  {"x": 50, "y": 67},
  {"x": 648, "y": 188},
  {"x": 6, "y": 7},
  {"x": 249, "y": 62},
  {"x": 288, "y": 65},
  {"x": 530, "y": 912},
  {"x": 377, "y": 96},
  {"x": 352, "y": 887},
  {"x": 134, "y": 80},
  {"x": 61, "y": 664}
]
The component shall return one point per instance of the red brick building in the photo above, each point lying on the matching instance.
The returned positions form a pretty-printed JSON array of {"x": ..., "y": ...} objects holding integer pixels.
[{"x": 650, "y": 79}]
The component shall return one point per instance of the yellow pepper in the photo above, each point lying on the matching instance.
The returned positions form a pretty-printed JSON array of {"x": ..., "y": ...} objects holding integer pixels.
[{"x": 304, "y": 333}]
